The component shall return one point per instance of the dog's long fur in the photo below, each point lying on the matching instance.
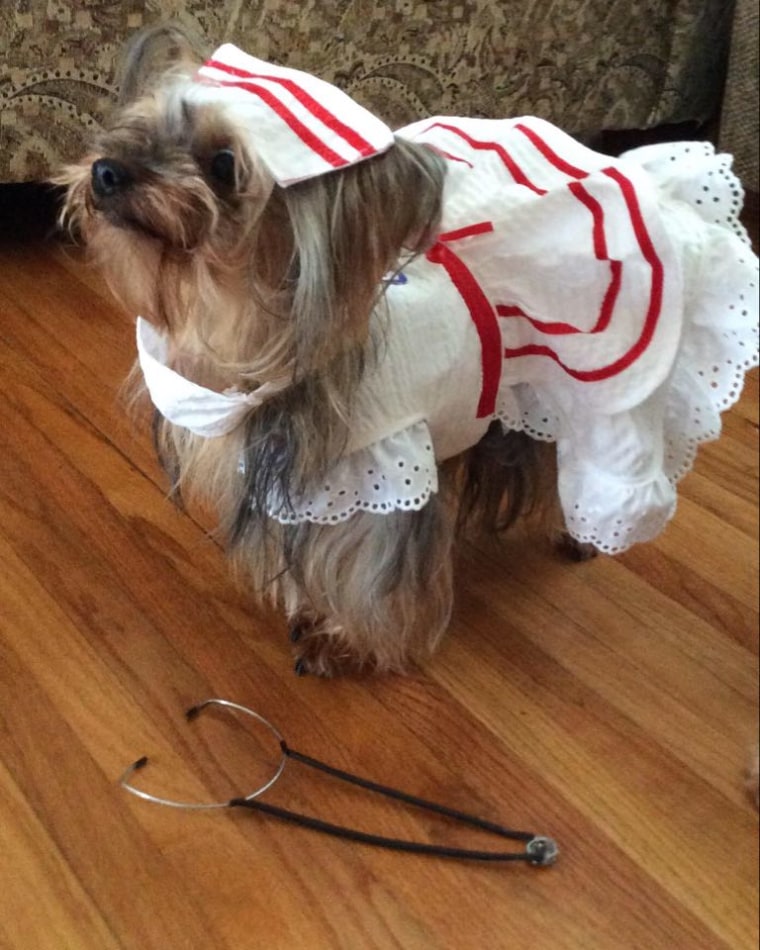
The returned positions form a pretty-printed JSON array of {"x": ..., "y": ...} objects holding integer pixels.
[{"x": 255, "y": 283}]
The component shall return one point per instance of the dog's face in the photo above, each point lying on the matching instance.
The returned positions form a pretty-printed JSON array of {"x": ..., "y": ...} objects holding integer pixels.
[
  {"x": 170, "y": 171},
  {"x": 191, "y": 231},
  {"x": 169, "y": 203}
]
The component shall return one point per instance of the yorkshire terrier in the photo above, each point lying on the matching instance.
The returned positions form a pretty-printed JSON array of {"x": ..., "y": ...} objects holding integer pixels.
[{"x": 360, "y": 342}]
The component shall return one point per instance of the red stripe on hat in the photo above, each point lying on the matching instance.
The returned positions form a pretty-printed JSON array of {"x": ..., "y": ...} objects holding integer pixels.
[
  {"x": 327, "y": 118},
  {"x": 482, "y": 314},
  {"x": 307, "y": 136}
]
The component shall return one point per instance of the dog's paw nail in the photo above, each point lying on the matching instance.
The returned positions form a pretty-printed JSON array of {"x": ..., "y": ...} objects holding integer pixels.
[
  {"x": 295, "y": 631},
  {"x": 301, "y": 668}
]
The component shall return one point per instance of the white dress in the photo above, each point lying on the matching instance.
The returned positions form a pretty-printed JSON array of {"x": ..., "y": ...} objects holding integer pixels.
[{"x": 607, "y": 305}]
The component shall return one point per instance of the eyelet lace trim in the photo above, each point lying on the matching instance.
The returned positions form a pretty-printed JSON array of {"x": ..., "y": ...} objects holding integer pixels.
[{"x": 398, "y": 473}]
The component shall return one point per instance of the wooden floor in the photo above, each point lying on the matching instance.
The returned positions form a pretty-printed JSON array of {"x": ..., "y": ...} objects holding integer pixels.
[{"x": 612, "y": 705}]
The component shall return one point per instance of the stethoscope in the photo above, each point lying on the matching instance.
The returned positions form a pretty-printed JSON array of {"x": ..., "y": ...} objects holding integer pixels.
[{"x": 539, "y": 851}]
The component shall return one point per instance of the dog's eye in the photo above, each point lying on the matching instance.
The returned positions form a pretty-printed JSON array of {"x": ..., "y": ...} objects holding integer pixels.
[{"x": 222, "y": 167}]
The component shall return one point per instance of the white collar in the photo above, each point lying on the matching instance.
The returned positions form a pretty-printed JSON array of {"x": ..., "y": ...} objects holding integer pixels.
[{"x": 203, "y": 411}]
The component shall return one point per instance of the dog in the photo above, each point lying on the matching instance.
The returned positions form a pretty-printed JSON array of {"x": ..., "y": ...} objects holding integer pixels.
[{"x": 361, "y": 343}]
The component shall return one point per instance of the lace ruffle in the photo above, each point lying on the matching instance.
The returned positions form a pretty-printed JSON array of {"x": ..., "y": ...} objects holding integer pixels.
[
  {"x": 718, "y": 346},
  {"x": 398, "y": 473}
]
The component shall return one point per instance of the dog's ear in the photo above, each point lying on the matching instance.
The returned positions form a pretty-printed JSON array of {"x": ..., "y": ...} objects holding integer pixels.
[
  {"x": 150, "y": 54},
  {"x": 350, "y": 228}
]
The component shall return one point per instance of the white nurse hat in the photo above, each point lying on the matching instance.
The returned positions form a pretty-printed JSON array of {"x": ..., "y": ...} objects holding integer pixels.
[{"x": 300, "y": 126}]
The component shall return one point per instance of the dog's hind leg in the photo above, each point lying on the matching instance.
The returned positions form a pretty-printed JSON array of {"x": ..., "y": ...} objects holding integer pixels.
[{"x": 510, "y": 477}]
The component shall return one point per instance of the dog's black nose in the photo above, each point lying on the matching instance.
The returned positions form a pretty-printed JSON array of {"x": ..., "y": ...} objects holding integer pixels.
[{"x": 109, "y": 177}]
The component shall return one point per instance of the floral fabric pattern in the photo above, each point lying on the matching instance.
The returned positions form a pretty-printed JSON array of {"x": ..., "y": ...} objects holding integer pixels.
[{"x": 586, "y": 65}]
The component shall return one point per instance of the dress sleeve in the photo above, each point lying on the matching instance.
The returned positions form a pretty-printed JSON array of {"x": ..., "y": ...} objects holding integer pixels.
[{"x": 397, "y": 473}]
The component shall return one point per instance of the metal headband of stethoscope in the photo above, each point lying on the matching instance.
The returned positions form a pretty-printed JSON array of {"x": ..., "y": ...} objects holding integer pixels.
[
  {"x": 539, "y": 851},
  {"x": 191, "y": 714}
]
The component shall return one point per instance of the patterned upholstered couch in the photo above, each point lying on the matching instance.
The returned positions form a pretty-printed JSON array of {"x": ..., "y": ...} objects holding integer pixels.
[{"x": 588, "y": 65}]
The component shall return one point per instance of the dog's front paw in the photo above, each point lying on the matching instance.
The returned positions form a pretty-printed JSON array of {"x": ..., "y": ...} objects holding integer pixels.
[
  {"x": 575, "y": 550},
  {"x": 322, "y": 652}
]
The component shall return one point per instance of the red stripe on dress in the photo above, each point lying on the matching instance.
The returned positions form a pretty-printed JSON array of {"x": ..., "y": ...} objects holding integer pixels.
[
  {"x": 484, "y": 227},
  {"x": 549, "y": 154},
  {"x": 510, "y": 164},
  {"x": 306, "y": 135},
  {"x": 650, "y": 256},
  {"x": 484, "y": 318},
  {"x": 610, "y": 298},
  {"x": 549, "y": 327},
  {"x": 654, "y": 308},
  {"x": 601, "y": 254},
  {"x": 449, "y": 156},
  {"x": 600, "y": 244},
  {"x": 327, "y": 118}
]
